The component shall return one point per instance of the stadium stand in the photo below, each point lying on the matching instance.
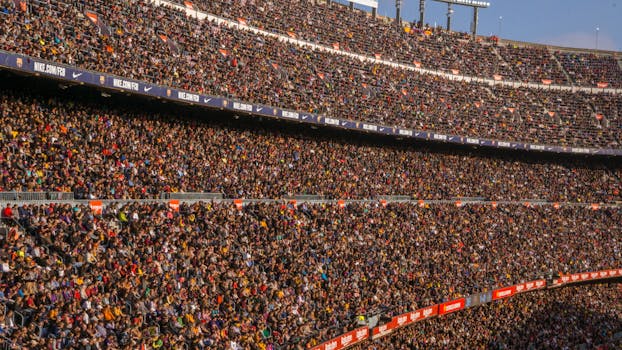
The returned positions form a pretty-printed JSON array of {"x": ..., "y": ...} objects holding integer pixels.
[
  {"x": 284, "y": 75},
  {"x": 582, "y": 317},
  {"x": 271, "y": 273},
  {"x": 102, "y": 150},
  {"x": 435, "y": 48}
]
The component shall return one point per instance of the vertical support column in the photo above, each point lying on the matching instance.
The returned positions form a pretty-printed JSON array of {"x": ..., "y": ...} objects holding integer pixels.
[
  {"x": 475, "y": 18},
  {"x": 421, "y": 12},
  {"x": 398, "y": 8},
  {"x": 450, "y": 11}
]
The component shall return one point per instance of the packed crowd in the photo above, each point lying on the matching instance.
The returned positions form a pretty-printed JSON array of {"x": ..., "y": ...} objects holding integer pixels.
[
  {"x": 588, "y": 317},
  {"x": 435, "y": 48},
  {"x": 210, "y": 58},
  {"x": 97, "y": 150},
  {"x": 589, "y": 69},
  {"x": 272, "y": 274}
]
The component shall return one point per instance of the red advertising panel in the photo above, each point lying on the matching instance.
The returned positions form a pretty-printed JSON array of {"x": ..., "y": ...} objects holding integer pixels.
[
  {"x": 383, "y": 330},
  {"x": 174, "y": 204},
  {"x": 533, "y": 285},
  {"x": 424, "y": 313},
  {"x": 575, "y": 277},
  {"x": 345, "y": 340},
  {"x": 96, "y": 207},
  {"x": 92, "y": 16},
  {"x": 404, "y": 320},
  {"x": 239, "y": 204},
  {"x": 503, "y": 292},
  {"x": 451, "y": 306},
  {"x": 587, "y": 276},
  {"x": 401, "y": 320}
]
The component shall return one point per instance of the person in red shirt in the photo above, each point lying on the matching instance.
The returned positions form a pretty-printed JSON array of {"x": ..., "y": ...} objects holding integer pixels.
[{"x": 7, "y": 213}]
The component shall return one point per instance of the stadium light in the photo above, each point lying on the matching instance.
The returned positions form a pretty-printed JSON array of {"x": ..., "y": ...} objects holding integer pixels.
[
  {"x": 597, "y": 30},
  {"x": 475, "y": 4}
]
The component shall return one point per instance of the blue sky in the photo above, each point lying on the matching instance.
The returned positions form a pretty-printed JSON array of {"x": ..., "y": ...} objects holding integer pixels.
[{"x": 556, "y": 22}]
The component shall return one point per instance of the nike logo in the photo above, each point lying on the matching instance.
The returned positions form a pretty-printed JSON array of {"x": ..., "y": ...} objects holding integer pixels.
[
  {"x": 206, "y": 100},
  {"x": 381, "y": 129},
  {"x": 147, "y": 89},
  {"x": 417, "y": 133},
  {"x": 343, "y": 123},
  {"x": 76, "y": 75},
  {"x": 304, "y": 117},
  {"x": 259, "y": 109}
]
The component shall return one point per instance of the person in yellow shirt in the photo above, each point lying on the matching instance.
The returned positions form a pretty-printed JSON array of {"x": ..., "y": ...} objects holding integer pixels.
[{"x": 108, "y": 316}]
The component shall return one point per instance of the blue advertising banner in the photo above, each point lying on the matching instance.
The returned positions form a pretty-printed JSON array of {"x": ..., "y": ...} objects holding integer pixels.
[
  {"x": 71, "y": 74},
  {"x": 478, "y": 299}
]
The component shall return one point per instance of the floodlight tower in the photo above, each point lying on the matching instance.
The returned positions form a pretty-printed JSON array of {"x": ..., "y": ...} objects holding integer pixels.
[
  {"x": 475, "y": 4},
  {"x": 398, "y": 7},
  {"x": 450, "y": 12}
]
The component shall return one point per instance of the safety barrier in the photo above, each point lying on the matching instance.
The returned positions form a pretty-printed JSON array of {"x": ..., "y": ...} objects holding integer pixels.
[
  {"x": 192, "y": 195},
  {"x": 348, "y": 339},
  {"x": 311, "y": 199},
  {"x": 35, "y": 196}
]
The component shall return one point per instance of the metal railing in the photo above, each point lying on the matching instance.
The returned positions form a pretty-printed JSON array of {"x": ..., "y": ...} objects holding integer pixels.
[
  {"x": 394, "y": 198},
  {"x": 35, "y": 196},
  {"x": 305, "y": 197},
  {"x": 192, "y": 195}
]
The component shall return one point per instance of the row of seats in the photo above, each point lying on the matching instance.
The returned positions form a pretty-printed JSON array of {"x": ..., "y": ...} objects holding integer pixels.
[
  {"x": 358, "y": 32},
  {"x": 212, "y": 275},
  {"x": 98, "y": 149},
  {"x": 209, "y": 58}
]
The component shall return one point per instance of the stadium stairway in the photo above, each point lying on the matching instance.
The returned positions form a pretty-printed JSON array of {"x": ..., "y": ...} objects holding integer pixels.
[{"x": 561, "y": 67}]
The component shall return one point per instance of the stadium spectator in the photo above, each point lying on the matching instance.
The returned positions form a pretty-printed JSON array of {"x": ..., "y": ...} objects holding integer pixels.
[
  {"x": 213, "y": 275},
  {"x": 97, "y": 150},
  {"x": 283, "y": 75}
]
